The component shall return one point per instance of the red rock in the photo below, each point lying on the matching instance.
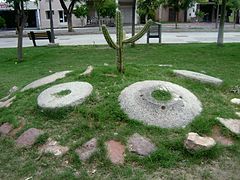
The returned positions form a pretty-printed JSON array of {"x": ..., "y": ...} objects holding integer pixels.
[
  {"x": 115, "y": 152},
  {"x": 5, "y": 128},
  {"x": 87, "y": 149},
  {"x": 28, "y": 138}
]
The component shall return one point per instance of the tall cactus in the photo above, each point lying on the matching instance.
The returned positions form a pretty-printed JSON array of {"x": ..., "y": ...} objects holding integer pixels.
[{"x": 118, "y": 46}]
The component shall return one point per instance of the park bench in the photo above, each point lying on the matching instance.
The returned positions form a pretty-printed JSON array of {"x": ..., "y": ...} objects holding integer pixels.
[
  {"x": 155, "y": 31},
  {"x": 39, "y": 36}
]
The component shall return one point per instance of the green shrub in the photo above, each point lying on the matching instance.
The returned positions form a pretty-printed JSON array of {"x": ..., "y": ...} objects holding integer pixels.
[{"x": 2, "y": 22}]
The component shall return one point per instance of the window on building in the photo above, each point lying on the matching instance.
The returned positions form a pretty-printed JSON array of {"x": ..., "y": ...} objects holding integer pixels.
[
  {"x": 48, "y": 14},
  {"x": 62, "y": 17}
]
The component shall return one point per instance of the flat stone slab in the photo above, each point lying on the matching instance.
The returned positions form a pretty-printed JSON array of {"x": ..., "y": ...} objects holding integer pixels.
[
  {"x": 5, "y": 129},
  {"x": 115, "y": 152},
  {"x": 28, "y": 138},
  {"x": 10, "y": 92},
  {"x": 87, "y": 149},
  {"x": 79, "y": 91},
  {"x": 46, "y": 80},
  {"x": 88, "y": 71},
  {"x": 140, "y": 145},
  {"x": 232, "y": 124},
  {"x": 54, "y": 148},
  {"x": 198, "y": 76},
  {"x": 137, "y": 102},
  {"x": 196, "y": 142},
  {"x": 235, "y": 101},
  {"x": 7, "y": 103}
]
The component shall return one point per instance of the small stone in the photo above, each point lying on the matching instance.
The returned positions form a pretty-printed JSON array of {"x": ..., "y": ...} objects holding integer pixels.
[
  {"x": 13, "y": 90},
  {"x": 232, "y": 124},
  {"x": 218, "y": 137},
  {"x": 87, "y": 149},
  {"x": 88, "y": 71},
  {"x": 140, "y": 145},
  {"x": 106, "y": 64},
  {"x": 235, "y": 101},
  {"x": 7, "y": 103},
  {"x": 196, "y": 142},
  {"x": 111, "y": 75},
  {"x": 53, "y": 147},
  {"x": 5, "y": 128},
  {"x": 115, "y": 152},
  {"x": 238, "y": 114},
  {"x": 165, "y": 65},
  {"x": 28, "y": 138}
]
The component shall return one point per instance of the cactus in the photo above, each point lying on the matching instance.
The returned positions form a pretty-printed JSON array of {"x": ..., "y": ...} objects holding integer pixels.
[{"x": 118, "y": 46}]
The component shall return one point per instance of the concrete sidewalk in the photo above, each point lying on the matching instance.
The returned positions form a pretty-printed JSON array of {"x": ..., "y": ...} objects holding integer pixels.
[{"x": 98, "y": 39}]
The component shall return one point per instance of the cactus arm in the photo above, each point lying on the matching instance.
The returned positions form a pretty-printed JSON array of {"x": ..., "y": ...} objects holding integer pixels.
[
  {"x": 139, "y": 34},
  {"x": 108, "y": 38}
]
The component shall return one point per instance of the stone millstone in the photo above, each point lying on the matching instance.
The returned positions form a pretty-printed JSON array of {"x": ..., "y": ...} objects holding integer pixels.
[
  {"x": 46, "y": 80},
  {"x": 28, "y": 138},
  {"x": 5, "y": 129},
  {"x": 195, "y": 142},
  {"x": 87, "y": 149},
  {"x": 79, "y": 91},
  {"x": 232, "y": 124},
  {"x": 53, "y": 147},
  {"x": 137, "y": 102},
  {"x": 235, "y": 101},
  {"x": 198, "y": 76},
  {"x": 140, "y": 145},
  {"x": 115, "y": 152}
]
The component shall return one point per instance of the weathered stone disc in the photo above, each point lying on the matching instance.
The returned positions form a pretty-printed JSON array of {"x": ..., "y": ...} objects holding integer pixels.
[
  {"x": 46, "y": 80},
  {"x": 137, "y": 102},
  {"x": 79, "y": 91},
  {"x": 198, "y": 76}
]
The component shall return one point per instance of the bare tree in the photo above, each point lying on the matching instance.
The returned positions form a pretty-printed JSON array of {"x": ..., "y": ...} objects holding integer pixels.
[{"x": 221, "y": 25}]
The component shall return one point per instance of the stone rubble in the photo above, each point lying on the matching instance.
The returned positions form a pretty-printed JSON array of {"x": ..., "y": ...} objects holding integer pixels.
[
  {"x": 54, "y": 148},
  {"x": 195, "y": 142},
  {"x": 115, "y": 152},
  {"x": 28, "y": 138},
  {"x": 5, "y": 128},
  {"x": 140, "y": 145},
  {"x": 87, "y": 149}
]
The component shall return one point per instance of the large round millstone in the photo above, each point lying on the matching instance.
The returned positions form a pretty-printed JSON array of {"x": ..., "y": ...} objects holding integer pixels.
[
  {"x": 64, "y": 95},
  {"x": 198, "y": 76},
  {"x": 137, "y": 102}
]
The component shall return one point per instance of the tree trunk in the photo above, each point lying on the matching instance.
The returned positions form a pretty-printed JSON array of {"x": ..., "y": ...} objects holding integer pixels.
[
  {"x": 234, "y": 18},
  {"x": 221, "y": 25},
  {"x": 176, "y": 19},
  {"x": 120, "y": 66},
  {"x": 69, "y": 21},
  {"x": 216, "y": 24},
  {"x": 20, "y": 44}
]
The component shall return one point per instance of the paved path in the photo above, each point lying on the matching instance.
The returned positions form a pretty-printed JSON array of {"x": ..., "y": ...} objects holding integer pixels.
[{"x": 173, "y": 37}]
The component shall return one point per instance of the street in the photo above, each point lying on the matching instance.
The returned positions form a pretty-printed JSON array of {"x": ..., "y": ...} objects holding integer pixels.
[{"x": 97, "y": 39}]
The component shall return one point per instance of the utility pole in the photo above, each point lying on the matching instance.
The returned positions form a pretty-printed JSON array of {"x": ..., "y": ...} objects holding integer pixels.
[
  {"x": 133, "y": 18},
  {"x": 51, "y": 22}
]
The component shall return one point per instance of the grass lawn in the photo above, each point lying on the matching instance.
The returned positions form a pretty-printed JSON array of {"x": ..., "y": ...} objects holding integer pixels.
[{"x": 100, "y": 116}]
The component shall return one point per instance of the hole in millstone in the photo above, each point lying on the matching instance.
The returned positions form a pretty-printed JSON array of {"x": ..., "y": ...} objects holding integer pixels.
[
  {"x": 161, "y": 95},
  {"x": 62, "y": 93},
  {"x": 141, "y": 95},
  {"x": 163, "y": 107},
  {"x": 180, "y": 97}
]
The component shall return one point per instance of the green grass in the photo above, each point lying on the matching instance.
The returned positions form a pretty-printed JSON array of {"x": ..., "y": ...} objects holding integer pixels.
[
  {"x": 161, "y": 95},
  {"x": 62, "y": 93},
  {"x": 100, "y": 116}
]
